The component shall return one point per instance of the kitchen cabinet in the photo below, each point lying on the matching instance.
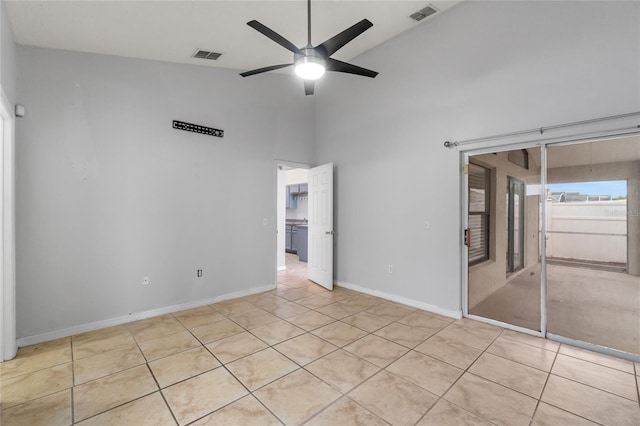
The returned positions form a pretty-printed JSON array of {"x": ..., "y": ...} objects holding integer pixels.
[
  {"x": 290, "y": 240},
  {"x": 301, "y": 242},
  {"x": 292, "y": 203},
  {"x": 294, "y": 239},
  {"x": 292, "y": 191},
  {"x": 287, "y": 239}
]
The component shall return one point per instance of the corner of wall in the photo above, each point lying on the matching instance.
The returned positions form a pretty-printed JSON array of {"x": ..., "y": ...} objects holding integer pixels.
[{"x": 8, "y": 65}]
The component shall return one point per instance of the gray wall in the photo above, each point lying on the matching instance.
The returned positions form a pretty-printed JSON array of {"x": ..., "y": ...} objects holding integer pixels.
[
  {"x": 479, "y": 69},
  {"x": 8, "y": 67},
  {"x": 108, "y": 192}
]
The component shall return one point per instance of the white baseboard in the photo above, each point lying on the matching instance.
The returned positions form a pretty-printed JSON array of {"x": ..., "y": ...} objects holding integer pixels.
[
  {"x": 282, "y": 268},
  {"x": 83, "y": 328},
  {"x": 405, "y": 301}
]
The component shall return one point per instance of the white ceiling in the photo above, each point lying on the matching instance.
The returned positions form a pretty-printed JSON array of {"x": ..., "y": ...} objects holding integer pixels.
[{"x": 173, "y": 30}]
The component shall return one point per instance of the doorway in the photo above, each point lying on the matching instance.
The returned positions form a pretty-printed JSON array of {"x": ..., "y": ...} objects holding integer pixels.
[
  {"x": 293, "y": 215},
  {"x": 305, "y": 223},
  {"x": 568, "y": 231}
]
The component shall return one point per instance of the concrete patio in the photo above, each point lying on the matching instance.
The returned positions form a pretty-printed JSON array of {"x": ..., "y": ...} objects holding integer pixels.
[{"x": 594, "y": 306}]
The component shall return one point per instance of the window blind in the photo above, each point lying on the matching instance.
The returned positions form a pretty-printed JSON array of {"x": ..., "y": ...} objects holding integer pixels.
[{"x": 479, "y": 178}]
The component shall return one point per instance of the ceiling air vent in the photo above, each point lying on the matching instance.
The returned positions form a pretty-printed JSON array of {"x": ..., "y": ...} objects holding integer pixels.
[
  {"x": 423, "y": 13},
  {"x": 206, "y": 54}
]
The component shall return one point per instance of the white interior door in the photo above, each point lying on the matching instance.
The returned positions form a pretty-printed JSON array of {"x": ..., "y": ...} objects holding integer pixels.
[{"x": 320, "y": 265}]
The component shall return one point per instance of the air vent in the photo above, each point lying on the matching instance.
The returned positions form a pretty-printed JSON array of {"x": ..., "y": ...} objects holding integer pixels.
[
  {"x": 423, "y": 13},
  {"x": 206, "y": 54}
]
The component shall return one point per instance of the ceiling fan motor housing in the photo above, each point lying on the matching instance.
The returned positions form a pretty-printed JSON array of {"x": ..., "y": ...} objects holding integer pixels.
[{"x": 309, "y": 52}]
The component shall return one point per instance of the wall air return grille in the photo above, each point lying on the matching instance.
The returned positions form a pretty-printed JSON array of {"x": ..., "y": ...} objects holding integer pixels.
[
  {"x": 206, "y": 54},
  {"x": 423, "y": 13}
]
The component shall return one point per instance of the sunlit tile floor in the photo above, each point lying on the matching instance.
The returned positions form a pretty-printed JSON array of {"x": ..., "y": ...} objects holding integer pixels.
[{"x": 302, "y": 355}]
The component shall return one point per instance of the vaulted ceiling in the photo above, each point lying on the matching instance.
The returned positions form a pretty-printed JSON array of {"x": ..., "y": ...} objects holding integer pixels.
[{"x": 173, "y": 30}]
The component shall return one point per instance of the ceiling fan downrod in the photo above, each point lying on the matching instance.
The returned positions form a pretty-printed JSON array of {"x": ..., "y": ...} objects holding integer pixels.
[{"x": 309, "y": 23}]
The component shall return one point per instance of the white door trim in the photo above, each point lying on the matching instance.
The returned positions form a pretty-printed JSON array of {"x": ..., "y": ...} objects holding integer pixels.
[{"x": 8, "y": 342}]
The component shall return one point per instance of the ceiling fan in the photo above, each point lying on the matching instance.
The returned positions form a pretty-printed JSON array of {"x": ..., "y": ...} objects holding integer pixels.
[{"x": 310, "y": 63}]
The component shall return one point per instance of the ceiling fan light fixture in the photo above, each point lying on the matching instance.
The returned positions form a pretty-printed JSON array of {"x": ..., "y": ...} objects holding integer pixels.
[
  {"x": 310, "y": 67},
  {"x": 309, "y": 62}
]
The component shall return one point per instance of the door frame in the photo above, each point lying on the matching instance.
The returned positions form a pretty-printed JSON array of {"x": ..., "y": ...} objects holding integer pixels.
[{"x": 8, "y": 341}]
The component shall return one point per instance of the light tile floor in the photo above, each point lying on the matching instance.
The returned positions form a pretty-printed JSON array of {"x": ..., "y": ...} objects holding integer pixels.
[{"x": 300, "y": 354}]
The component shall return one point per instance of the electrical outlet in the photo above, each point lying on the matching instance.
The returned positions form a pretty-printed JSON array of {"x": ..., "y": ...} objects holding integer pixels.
[
  {"x": 199, "y": 273},
  {"x": 145, "y": 281},
  {"x": 390, "y": 269},
  {"x": 265, "y": 221},
  {"x": 427, "y": 225}
]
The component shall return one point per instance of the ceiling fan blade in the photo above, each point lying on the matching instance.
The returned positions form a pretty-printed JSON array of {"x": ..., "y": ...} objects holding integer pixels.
[
  {"x": 308, "y": 87},
  {"x": 336, "y": 42},
  {"x": 265, "y": 69},
  {"x": 339, "y": 66},
  {"x": 273, "y": 36}
]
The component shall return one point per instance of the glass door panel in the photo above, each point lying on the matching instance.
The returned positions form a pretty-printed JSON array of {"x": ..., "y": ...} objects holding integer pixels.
[
  {"x": 504, "y": 257},
  {"x": 593, "y": 243}
]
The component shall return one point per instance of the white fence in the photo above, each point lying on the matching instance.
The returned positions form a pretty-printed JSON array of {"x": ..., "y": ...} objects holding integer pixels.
[{"x": 591, "y": 231}]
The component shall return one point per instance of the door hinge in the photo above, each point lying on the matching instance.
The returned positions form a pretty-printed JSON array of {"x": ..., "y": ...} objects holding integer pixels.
[{"x": 467, "y": 237}]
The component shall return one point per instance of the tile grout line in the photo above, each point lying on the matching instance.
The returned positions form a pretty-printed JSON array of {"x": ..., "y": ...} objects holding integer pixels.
[
  {"x": 545, "y": 385},
  {"x": 200, "y": 374},
  {"x": 303, "y": 367},
  {"x": 161, "y": 394},
  {"x": 560, "y": 408},
  {"x": 522, "y": 363},
  {"x": 146, "y": 363},
  {"x": 635, "y": 370},
  {"x": 594, "y": 387},
  {"x": 73, "y": 382},
  {"x": 599, "y": 364},
  {"x": 251, "y": 393},
  {"x": 466, "y": 370}
]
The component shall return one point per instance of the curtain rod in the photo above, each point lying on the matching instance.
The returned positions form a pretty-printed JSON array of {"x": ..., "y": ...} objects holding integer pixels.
[{"x": 540, "y": 130}]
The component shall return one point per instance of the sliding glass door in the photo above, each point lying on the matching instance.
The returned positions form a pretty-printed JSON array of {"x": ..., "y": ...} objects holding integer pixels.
[
  {"x": 593, "y": 243},
  {"x": 504, "y": 259},
  {"x": 586, "y": 219}
]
